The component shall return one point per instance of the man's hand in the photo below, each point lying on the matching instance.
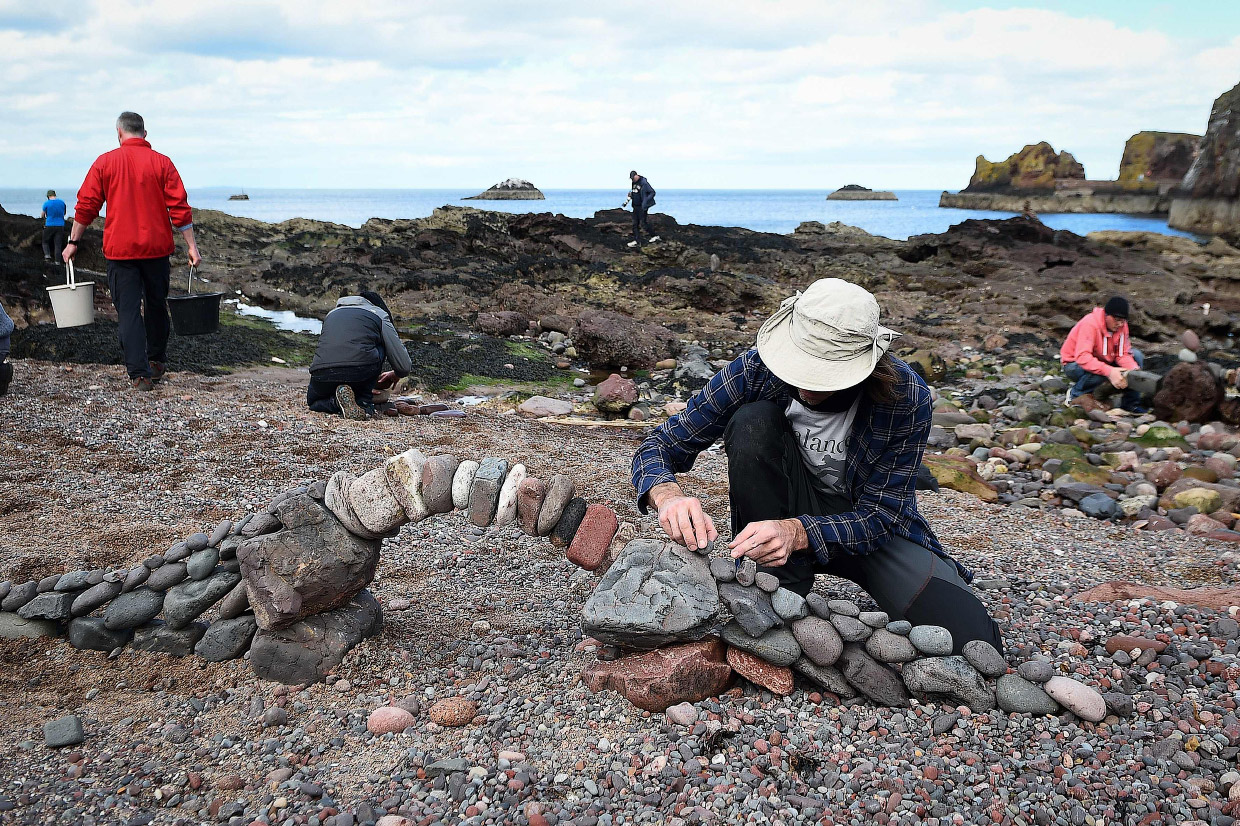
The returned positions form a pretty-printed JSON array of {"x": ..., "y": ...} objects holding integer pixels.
[
  {"x": 682, "y": 516},
  {"x": 386, "y": 380},
  {"x": 68, "y": 252},
  {"x": 194, "y": 258},
  {"x": 1118, "y": 378},
  {"x": 770, "y": 542}
]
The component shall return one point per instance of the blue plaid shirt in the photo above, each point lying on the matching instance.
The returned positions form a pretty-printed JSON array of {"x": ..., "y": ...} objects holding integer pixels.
[{"x": 884, "y": 452}]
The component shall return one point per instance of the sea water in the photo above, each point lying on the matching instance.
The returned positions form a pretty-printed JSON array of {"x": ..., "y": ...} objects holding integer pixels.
[{"x": 780, "y": 210}]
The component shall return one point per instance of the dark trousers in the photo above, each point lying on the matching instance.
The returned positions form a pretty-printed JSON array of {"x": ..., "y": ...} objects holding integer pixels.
[
  {"x": 1086, "y": 382},
  {"x": 768, "y": 479},
  {"x": 321, "y": 394},
  {"x": 144, "y": 333},
  {"x": 53, "y": 242},
  {"x": 640, "y": 223}
]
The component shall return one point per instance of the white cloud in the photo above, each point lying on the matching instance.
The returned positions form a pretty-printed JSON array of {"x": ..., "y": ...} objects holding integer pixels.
[{"x": 696, "y": 93}]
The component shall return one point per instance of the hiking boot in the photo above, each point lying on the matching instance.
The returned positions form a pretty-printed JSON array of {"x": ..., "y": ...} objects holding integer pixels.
[
  {"x": 157, "y": 371},
  {"x": 6, "y": 377},
  {"x": 142, "y": 383},
  {"x": 654, "y": 238},
  {"x": 632, "y": 243},
  {"x": 349, "y": 408}
]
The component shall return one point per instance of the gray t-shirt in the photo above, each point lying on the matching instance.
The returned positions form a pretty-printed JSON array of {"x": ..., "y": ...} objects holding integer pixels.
[{"x": 823, "y": 440}]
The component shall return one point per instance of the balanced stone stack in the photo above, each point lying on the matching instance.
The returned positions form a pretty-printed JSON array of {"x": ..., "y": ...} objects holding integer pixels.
[{"x": 661, "y": 596}]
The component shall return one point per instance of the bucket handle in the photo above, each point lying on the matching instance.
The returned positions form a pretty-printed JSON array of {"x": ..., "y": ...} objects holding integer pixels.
[
  {"x": 70, "y": 276},
  {"x": 191, "y": 279}
]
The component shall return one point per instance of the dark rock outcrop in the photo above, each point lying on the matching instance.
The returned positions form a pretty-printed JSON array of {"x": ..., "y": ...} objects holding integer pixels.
[
  {"x": 512, "y": 189},
  {"x": 1036, "y": 167},
  {"x": 1157, "y": 157},
  {"x": 609, "y": 338},
  {"x": 1189, "y": 392},
  {"x": 1209, "y": 196}
]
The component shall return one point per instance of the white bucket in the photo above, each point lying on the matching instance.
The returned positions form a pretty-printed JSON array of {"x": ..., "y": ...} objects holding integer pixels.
[{"x": 72, "y": 303}]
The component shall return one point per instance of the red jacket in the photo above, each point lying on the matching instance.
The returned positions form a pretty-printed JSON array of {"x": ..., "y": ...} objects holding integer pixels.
[
  {"x": 142, "y": 189},
  {"x": 1096, "y": 350}
]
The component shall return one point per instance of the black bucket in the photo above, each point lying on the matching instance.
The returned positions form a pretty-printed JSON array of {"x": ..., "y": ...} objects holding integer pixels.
[{"x": 195, "y": 315}]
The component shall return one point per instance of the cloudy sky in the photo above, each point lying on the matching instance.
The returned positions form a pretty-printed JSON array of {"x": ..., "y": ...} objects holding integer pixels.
[{"x": 695, "y": 93}]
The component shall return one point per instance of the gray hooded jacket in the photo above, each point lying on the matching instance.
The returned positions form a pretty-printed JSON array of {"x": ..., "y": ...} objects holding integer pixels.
[{"x": 358, "y": 334}]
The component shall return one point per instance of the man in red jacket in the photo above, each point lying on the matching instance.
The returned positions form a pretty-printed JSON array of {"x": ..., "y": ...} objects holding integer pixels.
[
  {"x": 1099, "y": 350},
  {"x": 142, "y": 190}
]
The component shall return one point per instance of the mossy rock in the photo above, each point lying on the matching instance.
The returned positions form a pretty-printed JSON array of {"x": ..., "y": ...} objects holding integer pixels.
[
  {"x": 926, "y": 364},
  {"x": 959, "y": 474},
  {"x": 1083, "y": 434},
  {"x": 1012, "y": 369},
  {"x": 1082, "y": 471},
  {"x": 1203, "y": 499},
  {"x": 1202, "y": 473},
  {"x": 1161, "y": 436},
  {"x": 1054, "y": 450},
  {"x": 1065, "y": 418}
]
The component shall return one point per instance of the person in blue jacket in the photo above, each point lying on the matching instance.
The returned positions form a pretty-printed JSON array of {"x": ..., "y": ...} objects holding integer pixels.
[
  {"x": 642, "y": 196},
  {"x": 53, "y": 226}
]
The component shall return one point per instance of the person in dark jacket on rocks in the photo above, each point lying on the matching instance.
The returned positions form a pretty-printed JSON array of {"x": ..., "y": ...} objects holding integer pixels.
[
  {"x": 6, "y": 369},
  {"x": 642, "y": 196},
  {"x": 348, "y": 364}
]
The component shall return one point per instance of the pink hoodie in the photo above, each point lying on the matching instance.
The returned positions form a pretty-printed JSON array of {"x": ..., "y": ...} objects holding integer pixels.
[{"x": 1094, "y": 349}]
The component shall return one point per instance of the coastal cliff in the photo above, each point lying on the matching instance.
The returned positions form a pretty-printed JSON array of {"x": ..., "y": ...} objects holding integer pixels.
[
  {"x": 855, "y": 192},
  {"x": 1077, "y": 200},
  {"x": 1208, "y": 200},
  {"x": 1163, "y": 158},
  {"x": 513, "y": 189},
  {"x": 1037, "y": 167}
]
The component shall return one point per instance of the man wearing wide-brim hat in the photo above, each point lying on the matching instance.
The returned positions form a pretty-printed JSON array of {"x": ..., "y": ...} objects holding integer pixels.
[{"x": 824, "y": 432}]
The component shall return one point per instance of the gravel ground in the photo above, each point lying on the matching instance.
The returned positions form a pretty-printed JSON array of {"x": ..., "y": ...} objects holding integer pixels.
[{"x": 95, "y": 475}]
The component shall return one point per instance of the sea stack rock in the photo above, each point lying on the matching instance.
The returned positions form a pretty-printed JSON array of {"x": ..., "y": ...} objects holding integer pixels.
[
  {"x": 1208, "y": 199},
  {"x": 513, "y": 189},
  {"x": 856, "y": 192}
]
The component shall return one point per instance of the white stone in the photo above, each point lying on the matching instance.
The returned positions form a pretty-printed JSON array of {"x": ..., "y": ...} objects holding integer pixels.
[
  {"x": 1082, "y": 700},
  {"x": 506, "y": 510},
  {"x": 463, "y": 483},
  {"x": 404, "y": 477},
  {"x": 374, "y": 503}
]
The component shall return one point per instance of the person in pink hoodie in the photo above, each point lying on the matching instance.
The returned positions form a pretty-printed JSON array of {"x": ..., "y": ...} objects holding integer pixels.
[{"x": 1099, "y": 350}]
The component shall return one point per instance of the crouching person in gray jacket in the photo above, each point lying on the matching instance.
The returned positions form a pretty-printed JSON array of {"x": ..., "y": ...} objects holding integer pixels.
[{"x": 357, "y": 336}]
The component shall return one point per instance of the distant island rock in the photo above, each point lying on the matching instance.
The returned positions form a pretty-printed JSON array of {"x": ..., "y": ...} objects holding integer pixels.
[
  {"x": 1039, "y": 179},
  {"x": 1208, "y": 199},
  {"x": 513, "y": 189},
  {"x": 856, "y": 192}
]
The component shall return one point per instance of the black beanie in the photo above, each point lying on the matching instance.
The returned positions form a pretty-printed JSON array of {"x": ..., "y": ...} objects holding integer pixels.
[
  {"x": 1117, "y": 307},
  {"x": 374, "y": 298}
]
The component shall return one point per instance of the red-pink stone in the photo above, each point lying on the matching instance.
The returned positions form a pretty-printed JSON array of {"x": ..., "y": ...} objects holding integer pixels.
[
  {"x": 530, "y": 495},
  {"x": 388, "y": 719},
  {"x": 774, "y": 678},
  {"x": 653, "y": 680},
  {"x": 589, "y": 546}
]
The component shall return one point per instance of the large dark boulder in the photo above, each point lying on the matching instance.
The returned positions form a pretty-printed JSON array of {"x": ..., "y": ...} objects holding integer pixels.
[
  {"x": 312, "y": 565},
  {"x": 607, "y": 338},
  {"x": 307, "y": 651},
  {"x": 1189, "y": 392},
  {"x": 503, "y": 323}
]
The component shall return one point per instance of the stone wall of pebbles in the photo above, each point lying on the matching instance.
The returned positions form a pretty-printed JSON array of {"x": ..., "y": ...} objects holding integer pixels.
[
  {"x": 288, "y": 584},
  {"x": 666, "y": 601}
]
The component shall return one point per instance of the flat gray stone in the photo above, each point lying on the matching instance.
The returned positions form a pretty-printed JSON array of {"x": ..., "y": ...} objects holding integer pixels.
[
  {"x": 818, "y": 605},
  {"x": 158, "y": 638},
  {"x": 189, "y": 599},
  {"x": 16, "y": 627},
  {"x": 851, "y": 629},
  {"x": 220, "y": 533},
  {"x": 1016, "y": 695},
  {"x": 653, "y": 594},
  {"x": 73, "y": 581},
  {"x": 202, "y": 563},
  {"x": 52, "y": 605},
  {"x": 65, "y": 731},
  {"x": 19, "y": 595},
  {"x": 136, "y": 576},
  {"x": 236, "y": 602},
  {"x": 177, "y": 552},
  {"x": 89, "y": 633},
  {"x": 48, "y": 583},
  {"x": 196, "y": 542},
  {"x": 819, "y": 640},
  {"x": 874, "y": 619},
  {"x": 307, "y": 651},
  {"x": 875, "y": 680},
  {"x": 952, "y": 677},
  {"x": 827, "y": 677},
  {"x": 931, "y": 640},
  {"x": 983, "y": 656},
  {"x": 1036, "y": 671},
  {"x": 789, "y": 605},
  {"x": 747, "y": 573},
  {"x": 722, "y": 569},
  {"x": 901, "y": 627},
  {"x": 93, "y": 597},
  {"x": 373, "y": 500},
  {"x": 228, "y": 548},
  {"x": 167, "y": 575},
  {"x": 484, "y": 495},
  {"x": 135, "y": 608},
  {"x": 751, "y": 608},
  {"x": 449, "y": 765},
  {"x": 227, "y": 639},
  {"x": 844, "y": 606},
  {"x": 560, "y": 490},
  {"x": 336, "y": 501},
  {"x": 437, "y": 473},
  {"x": 777, "y": 646},
  {"x": 767, "y": 582},
  {"x": 887, "y": 647}
]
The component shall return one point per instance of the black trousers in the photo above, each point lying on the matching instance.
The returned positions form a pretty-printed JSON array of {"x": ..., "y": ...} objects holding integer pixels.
[
  {"x": 53, "y": 242},
  {"x": 321, "y": 394},
  {"x": 768, "y": 479},
  {"x": 640, "y": 223},
  {"x": 143, "y": 333}
]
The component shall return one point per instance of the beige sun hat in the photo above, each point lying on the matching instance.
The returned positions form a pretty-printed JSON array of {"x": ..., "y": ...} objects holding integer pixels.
[{"x": 826, "y": 338}]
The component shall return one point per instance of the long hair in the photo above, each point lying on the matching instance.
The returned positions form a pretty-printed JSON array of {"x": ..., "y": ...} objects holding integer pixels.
[
  {"x": 374, "y": 298},
  {"x": 883, "y": 385}
]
